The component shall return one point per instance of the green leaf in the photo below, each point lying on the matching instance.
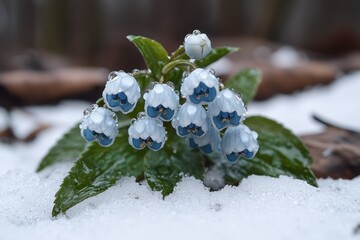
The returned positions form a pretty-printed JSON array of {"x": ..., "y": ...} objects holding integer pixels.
[
  {"x": 67, "y": 149},
  {"x": 165, "y": 168},
  {"x": 214, "y": 55},
  {"x": 96, "y": 170},
  {"x": 280, "y": 153},
  {"x": 153, "y": 52},
  {"x": 245, "y": 82}
]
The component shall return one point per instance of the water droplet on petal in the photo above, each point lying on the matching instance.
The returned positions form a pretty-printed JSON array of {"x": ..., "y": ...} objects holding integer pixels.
[
  {"x": 221, "y": 85},
  {"x": 212, "y": 71},
  {"x": 135, "y": 71},
  {"x": 177, "y": 92},
  {"x": 94, "y": 106},
  {"x": 132, "y": 121},
  {"x": 141, "y": 115},
  {"x": 87, "y": 112},
  {"x": 152, "y": 85},
  {"x": 196, "y": 32},
  {"x": 187, "y": 35},
  {"x": 185, "y": 74},
  {"x": 114, "y": 116},
  {"x": 112, "y": 75},
  {"x": 171, "y": 84}
]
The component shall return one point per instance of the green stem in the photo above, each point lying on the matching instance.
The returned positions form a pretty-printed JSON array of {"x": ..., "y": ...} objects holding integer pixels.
[
  {"x": 178, "y": 52},
  {"x": 171, "y": 65}
]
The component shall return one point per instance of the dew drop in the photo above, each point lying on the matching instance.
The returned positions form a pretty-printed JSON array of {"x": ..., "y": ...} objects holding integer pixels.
[
  {"x": 152, "y": 85},
  {"x": 114, "y": 116},
  {"x": 185, "y": 74},
  {"x": 135, "y": 71},
  {"x": 94, "y": 106},
  {"x": 112, "y": 75},
  {"x": 132, "y": 121},
  {"x": 187, "y": 35},
  {"x": 87, "y": 112},
  {"x": 221, "y": 85},
  {"x": 212, "y": 71},
  {"x": 177, "y": 92},
  {"x": 141, "y": 115},
  {"x": 196, "y": 32},
  {"x": 171, "y": 84}
]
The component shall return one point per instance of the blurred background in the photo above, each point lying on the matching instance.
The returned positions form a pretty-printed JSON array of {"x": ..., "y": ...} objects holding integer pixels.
[
  {"x": 43, "y": 35},
  {"x": 52, "y": 50}
]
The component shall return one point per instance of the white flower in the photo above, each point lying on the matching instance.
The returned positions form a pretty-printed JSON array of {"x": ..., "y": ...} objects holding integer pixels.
[
  {"x": 162, "y": 102},
  {"x": 191, "y": 120},
  {"x": 200, "y": 86},
  {"x": 121, "y": 92},
  {"x": 227, "y": 109},
  {"x": 239, "y": 141},
  {"x": 208, "y": 143},
  {"x": 197, "y": 45},
  {"x": 99, "y": 124},
  {"x": 146, "y": 131}
]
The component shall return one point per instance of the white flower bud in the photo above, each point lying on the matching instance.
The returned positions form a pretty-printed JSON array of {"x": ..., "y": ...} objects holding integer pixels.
[{"x": 197, "y": 45}]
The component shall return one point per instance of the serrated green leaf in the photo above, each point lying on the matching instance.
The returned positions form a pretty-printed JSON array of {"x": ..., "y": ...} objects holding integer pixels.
[
  {"x": 153, "y": 52},
  {"x": 245, "y": 82},
  {"x": 214, "y": 55},
  {"x": 97, "y": 169},
  {"x": 280, "y": 153},
  {"x": 67, "y": 149},
  {"x": 165, "y": 168}
]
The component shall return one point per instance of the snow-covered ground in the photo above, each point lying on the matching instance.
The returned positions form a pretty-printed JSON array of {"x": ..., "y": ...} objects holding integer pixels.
[{"x": 260, "y": 208}]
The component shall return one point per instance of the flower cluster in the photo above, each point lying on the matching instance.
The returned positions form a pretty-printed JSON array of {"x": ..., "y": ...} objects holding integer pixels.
[{"x": 206, "y": 111}]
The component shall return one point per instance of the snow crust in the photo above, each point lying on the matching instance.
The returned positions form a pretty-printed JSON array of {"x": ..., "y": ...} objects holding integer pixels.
[{"x": 259, "y": 208}]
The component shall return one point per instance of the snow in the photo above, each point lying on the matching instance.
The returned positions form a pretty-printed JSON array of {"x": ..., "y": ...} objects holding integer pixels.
[{"x": 259, "y": 208}]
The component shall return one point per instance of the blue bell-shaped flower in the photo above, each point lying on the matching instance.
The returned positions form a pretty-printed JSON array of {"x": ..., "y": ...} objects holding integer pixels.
[
  {"x": 161, "y": 102},
  {"x": 226, "y": 110},
  {"x": 121, "y": 92},
  {"x": 147, "y": 132},
  {"x": 239, "y": 141},
  {"x": 99, "y": 124},
  {"x": 191, "y": 120},
  {"x": 200, "y": 86}
]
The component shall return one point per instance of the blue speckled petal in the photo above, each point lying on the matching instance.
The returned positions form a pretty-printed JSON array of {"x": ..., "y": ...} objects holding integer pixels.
[
  {"x": 192, "y": 143},
  {"x": 155, "y": 145},
  {"x": 247, "y": 153},
  {"x": 167, "y": 114},
  {"x": 104, "y": 140},
  {"x": 206, "y": 149},
  {"x": 182, "y": 131},
  {"x": 217, "y": 120},
  {"x": 193, "y": 98},
  {"x": 89, "y": 135},
  {"x": 234, "y": 119},
  {"x": 152, "y": 112},
  {"x": 112, "y": 100},
  {"x": 126, "y": 107},
  {"x": 232, "y": 157},
  {"x": 122, "y": 97},
  {"x": 137, "y": 143},
  {"x": 211, "y": 95},
  {"x": 199, "y": 132}
]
